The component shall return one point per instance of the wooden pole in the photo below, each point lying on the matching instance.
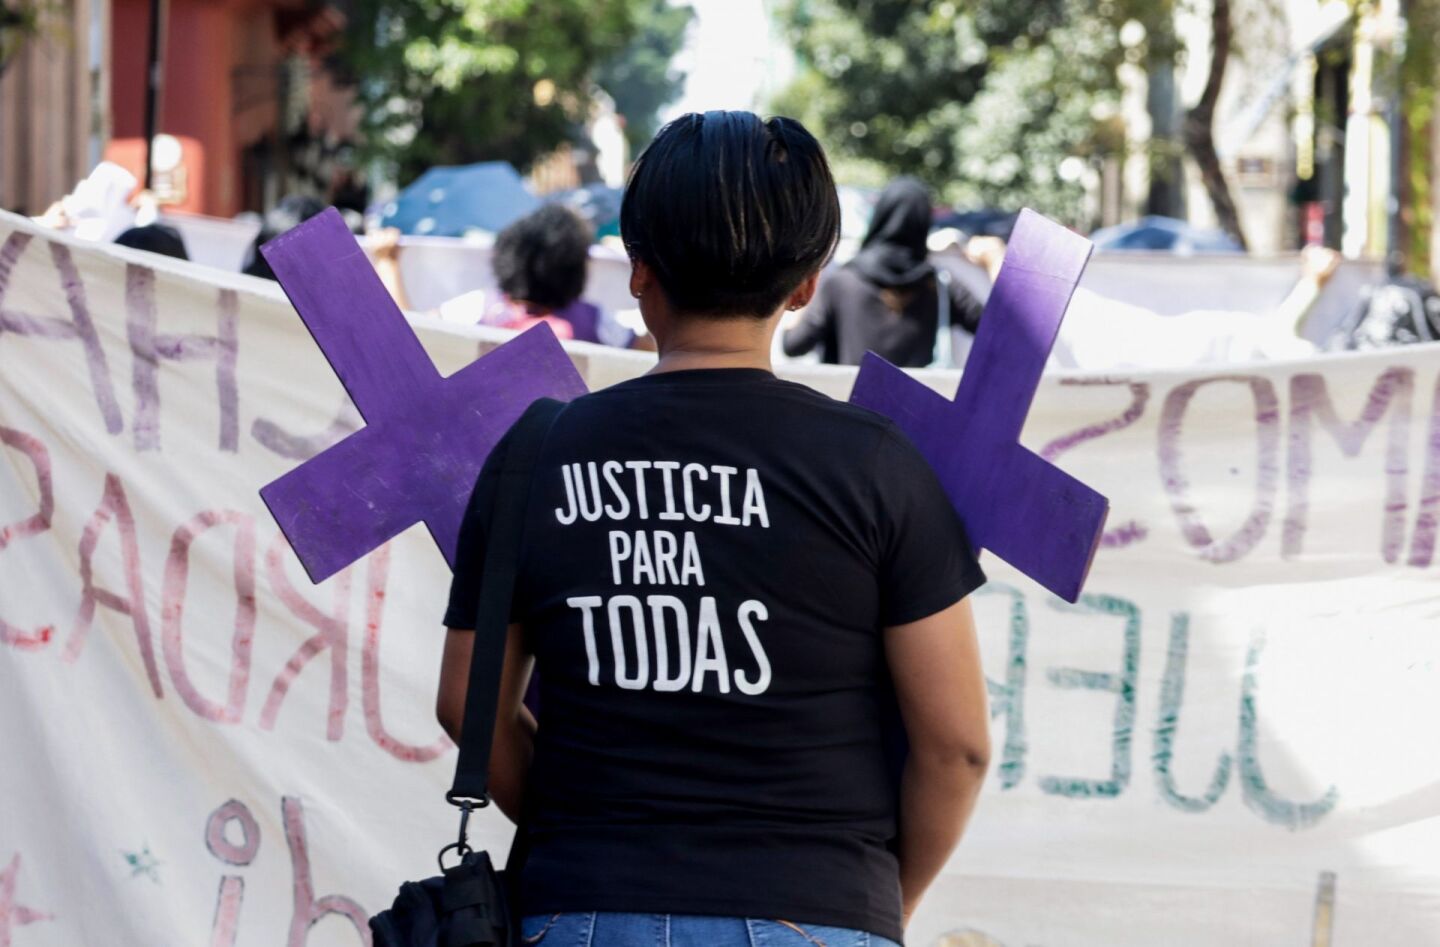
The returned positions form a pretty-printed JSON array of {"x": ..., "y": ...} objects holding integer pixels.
[{"x": 154, "y": 69}]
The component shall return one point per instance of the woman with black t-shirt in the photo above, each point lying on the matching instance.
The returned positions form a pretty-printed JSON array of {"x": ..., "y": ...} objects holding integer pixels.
[
  {"x": 887, "y": 299},
  {"x": 726, "y": 581}
]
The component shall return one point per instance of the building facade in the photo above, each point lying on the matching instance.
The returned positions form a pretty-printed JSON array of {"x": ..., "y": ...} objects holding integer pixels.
[
  {"x": 1308, "y": 127},
  {"x": 250, "y": 110}
]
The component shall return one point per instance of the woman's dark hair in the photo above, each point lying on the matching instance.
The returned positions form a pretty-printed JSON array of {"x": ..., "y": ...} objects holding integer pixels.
[
  {"x": 894, "y": 256},
  {"x": 292, "y": 211},
  {"x": 541, "y": 257},
  {"x": 156, "y": 238},
  {"x": 731, "y": 212}
]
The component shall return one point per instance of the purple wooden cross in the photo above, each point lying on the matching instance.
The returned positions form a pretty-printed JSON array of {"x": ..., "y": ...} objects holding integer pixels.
[
  {"x": 425, "y": 438},
  {"x": 1033, "y": 515}
]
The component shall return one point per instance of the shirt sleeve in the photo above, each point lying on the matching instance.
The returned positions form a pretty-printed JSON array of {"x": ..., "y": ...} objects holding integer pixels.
[
  {"x": 814, "y": 327},
  {"x": 926, "y": 561},
  {"x": 964, "y": 307},
  {"x": 470, "y": 552}
]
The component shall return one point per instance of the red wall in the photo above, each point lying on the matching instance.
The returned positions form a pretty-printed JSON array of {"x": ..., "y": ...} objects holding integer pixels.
[
  {"x": 129, "y": 38},
  {"x": 201, "y": 55}
]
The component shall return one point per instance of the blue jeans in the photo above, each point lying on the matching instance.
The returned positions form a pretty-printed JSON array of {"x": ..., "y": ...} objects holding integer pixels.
[{"x": 603, "y": 929}]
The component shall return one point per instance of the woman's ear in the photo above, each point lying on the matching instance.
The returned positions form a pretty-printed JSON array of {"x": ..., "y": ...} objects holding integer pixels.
[
  {"x": 803, "y": 293},
  {"x": 641, "y": 278}
]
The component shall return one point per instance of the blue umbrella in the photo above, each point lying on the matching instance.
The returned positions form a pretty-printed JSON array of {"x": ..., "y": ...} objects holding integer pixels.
[
  {"x": 1165, "y": 234},
  {"x": 448, "y": 202},
  {"x": 597, "y": 204}
]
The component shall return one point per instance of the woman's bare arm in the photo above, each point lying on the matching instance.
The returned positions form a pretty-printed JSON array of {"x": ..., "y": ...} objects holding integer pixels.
[
  {"x": 935, "y": 664},
  {"x": 514, "y": 725},
  {"x": 385, "y": 246}
]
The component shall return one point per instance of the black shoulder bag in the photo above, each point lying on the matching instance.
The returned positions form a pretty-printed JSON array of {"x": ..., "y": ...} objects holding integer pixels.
[{"x": 468, "y": 904}]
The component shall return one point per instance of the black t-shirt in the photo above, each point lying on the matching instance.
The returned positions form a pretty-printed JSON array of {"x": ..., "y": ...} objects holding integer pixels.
[
  {"x": 851, "y": 316},
  {"x": 708, "y": 563}
]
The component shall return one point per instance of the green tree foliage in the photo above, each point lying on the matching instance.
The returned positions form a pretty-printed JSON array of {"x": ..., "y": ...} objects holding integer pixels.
[
  {"x": 1419, "y": 76},
  {"x": 984, "y": 100},
  {"x": 19, "y": 21},
  {"x": 457, "y": 81},
  {"x": 642, "y": 79}
]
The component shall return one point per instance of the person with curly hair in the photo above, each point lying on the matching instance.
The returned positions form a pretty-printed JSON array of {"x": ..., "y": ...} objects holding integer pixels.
[{"x": 540, "y": 264}]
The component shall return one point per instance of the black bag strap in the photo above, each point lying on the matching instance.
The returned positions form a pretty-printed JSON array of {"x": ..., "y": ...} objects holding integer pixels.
[{"x": 497, "y": 586}]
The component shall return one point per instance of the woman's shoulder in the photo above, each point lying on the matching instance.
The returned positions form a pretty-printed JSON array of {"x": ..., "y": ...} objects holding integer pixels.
[
  {"x": 846, "y": 284},
  {"x": 839, "y": 413},
  {"x": 841, "y": 277},
  {"x": 792, "y": 399}
]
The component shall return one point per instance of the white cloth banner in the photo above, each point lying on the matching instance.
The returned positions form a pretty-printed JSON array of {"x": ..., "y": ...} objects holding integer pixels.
[{"x": 1229, "y": 741}]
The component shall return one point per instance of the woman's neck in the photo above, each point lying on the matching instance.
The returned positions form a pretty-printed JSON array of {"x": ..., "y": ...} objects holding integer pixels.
[{"x": 710, "y": 342}]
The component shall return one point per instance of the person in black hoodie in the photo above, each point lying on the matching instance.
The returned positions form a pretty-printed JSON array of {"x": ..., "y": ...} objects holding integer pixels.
[{"x": 886, "y": 300}]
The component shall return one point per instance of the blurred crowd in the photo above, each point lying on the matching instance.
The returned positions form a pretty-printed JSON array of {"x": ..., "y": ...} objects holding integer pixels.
[{"x": 912, "y": 289}]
